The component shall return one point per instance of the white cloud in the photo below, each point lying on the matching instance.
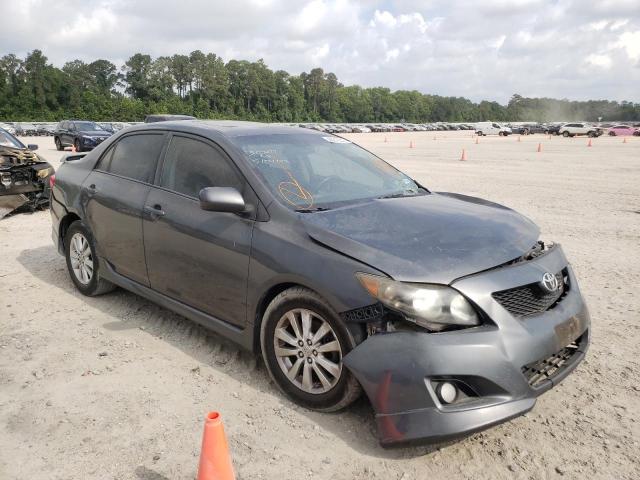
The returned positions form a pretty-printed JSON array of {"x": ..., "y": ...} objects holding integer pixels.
[
  {"x": 602, "y": 61},
  {"x": 481, "y": 50}
]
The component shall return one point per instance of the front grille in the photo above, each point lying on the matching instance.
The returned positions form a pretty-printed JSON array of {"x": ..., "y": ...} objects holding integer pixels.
[
  {"x": 532, "y": 298},
  {"x": 538, "y": 372}
]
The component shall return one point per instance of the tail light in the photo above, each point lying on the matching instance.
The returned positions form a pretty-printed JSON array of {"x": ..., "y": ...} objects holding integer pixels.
[{"x": 52, "y": 180}]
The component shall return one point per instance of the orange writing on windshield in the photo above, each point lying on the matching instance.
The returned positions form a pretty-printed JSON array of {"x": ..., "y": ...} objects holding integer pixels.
[{"x": 294, "y": 193}]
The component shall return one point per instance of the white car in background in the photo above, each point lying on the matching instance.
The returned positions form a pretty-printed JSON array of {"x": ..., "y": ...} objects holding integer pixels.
[
  {"x": 492, "y": 128},
  {"x": 573, "y": 129}
]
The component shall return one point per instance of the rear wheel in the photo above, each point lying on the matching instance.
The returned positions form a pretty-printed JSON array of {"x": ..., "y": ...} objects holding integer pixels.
[
  {"x": 612, "y": 133},
  {"x": 58, "y": 144},
  {"x": 303, "y": 343},
  {"x": 82, "y": 262}
]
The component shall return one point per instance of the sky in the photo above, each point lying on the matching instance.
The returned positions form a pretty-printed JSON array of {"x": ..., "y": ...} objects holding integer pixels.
[{"x": 480, "y": 49}]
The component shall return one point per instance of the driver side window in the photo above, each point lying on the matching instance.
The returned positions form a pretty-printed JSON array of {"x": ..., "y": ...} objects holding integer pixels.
[{"x": 191, "y": 165}]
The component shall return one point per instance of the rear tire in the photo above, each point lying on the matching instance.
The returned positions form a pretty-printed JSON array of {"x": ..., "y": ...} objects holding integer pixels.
[
  {"x": 58, "y": 143},
  {"x": 82, "y": 261},
  {"x": 300, "y": 348}
]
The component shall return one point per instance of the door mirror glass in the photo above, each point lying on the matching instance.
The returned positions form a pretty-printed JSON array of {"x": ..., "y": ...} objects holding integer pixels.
[
  {"x": 221, "y": 199},
  {"x": 32, "y": 146}
]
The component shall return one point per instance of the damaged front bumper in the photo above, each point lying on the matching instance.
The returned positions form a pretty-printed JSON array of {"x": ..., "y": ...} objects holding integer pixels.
[
  {"x": 24, "y": 186},
  {"x": 499, "y": 368}
]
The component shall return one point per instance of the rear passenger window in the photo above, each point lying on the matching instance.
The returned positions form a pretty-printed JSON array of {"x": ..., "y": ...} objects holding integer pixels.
[
  {"x": 191, "y": 165},
  {"x": 134, "y": 156}
]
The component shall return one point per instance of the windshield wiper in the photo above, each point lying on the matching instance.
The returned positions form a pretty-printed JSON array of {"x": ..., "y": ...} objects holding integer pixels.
[
  {"x": 399, "y": 195},
  {"x": 311, "y": 210}
]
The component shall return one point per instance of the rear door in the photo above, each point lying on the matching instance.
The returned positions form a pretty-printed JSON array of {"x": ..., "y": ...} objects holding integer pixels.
[
  {"x": 115, "y": 193},
  {"x": 198, "y": 257}
]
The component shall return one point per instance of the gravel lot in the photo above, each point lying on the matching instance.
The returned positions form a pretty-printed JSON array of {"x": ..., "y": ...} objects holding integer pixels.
[{"x": 116, "y": 387}]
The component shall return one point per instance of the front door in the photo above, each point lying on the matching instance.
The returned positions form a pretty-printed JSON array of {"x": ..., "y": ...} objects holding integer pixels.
[
  {"x": 114, "y": 195},
  {"x": 198, "y": 257}
]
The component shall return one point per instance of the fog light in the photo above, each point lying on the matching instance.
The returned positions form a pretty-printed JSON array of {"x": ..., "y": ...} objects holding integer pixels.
[{"x": 447, "y": 392}]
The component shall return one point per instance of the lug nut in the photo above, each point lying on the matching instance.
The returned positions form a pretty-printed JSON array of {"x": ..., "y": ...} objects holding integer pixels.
[
  {"x": 300, "y": 354},
  {"x": 300, "y": 343}
]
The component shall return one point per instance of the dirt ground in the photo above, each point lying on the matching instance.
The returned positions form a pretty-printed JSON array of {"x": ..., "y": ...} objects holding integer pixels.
[{"x": 116, "y": 387}]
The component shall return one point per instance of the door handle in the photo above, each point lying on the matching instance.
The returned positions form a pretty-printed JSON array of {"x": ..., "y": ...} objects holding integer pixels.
[{"x": 154, "y": 211}]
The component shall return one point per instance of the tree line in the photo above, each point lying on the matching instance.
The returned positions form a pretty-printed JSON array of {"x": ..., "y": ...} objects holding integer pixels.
[{"x": 204, "y": 85}]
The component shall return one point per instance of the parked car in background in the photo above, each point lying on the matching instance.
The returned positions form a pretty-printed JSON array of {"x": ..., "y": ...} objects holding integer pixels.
[
  {"x": 492, "y": 128},
  {"x": 529, "y": 129},
  {"x": 621, "y": 130},
  {"x": 81, "y": 134},
  {"x": 24, "y": 176},
  {"x": 575, "y": 129}
]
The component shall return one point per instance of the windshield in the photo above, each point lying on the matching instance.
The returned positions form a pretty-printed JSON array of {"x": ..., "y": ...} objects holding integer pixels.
[
  {"x": 87, "y": 126},
  {"x": 311, "y": 172},
  {"x": 8, "y": 140}
]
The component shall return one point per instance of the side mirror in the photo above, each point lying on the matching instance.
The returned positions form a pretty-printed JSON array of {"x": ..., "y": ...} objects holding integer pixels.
[
  {"x": 221, "y": 199},
  {"x": 32, "y": 146}
]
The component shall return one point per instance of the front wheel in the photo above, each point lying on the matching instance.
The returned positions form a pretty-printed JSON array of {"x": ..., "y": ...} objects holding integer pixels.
[
  {"x": 82, "y": 261},
  {"x": 58, "y": 144},
  {"x": 565, "y": 134},
  {"x": 303, "y": 343}
]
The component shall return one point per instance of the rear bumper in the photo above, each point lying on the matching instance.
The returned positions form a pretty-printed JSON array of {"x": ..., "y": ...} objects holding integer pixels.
[{"x": 399, "y": 370}]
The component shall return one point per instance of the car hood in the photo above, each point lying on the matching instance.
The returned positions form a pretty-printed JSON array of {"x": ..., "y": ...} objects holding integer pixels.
[
  {"x": 94, "y": 133},
  {"x": 17, "y": 156},
  {"x": 433, "y": 238}
]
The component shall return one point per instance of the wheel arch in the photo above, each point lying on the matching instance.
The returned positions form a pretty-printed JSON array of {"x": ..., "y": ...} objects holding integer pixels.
[
  {"x": 65, "y": 223},
  {"x": 262, "y": 305}
]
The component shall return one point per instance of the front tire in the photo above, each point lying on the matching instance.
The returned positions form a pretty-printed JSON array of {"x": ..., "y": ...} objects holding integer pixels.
[
  {"x": 58, "y": 143},
  {"x": 82, "y": 261},
  {"x": 303, "y": 343},
  {"x": 565, "y": 134}
]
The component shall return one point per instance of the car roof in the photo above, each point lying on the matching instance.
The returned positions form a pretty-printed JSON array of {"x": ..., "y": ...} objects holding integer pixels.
[{"x": 227, "y": 128}]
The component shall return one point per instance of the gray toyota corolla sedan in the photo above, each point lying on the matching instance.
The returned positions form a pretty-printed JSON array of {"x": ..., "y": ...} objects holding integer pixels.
[{"x": 447, "y": 310}]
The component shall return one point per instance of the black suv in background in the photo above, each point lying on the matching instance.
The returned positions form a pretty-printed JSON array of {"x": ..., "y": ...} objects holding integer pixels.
[{"x": 84, "y": 135}]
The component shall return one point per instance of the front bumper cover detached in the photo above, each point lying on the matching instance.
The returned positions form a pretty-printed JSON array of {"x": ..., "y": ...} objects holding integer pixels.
[{"x": 399, "y": 370}]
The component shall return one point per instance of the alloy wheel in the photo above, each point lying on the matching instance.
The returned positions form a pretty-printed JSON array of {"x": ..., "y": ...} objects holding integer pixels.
[
  {"x": 308, "y": 351},
  {"x": 81, "y": 258}
]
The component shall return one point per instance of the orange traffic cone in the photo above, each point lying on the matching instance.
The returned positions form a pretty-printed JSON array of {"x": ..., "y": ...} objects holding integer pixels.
[
  {"x": 589, "y": 144},
  {"x": 539, "y": 147},
  {"x": 411, "y": 144},
  {"x": 215, "y": 461},
  {"x": 464, "y": 156},
  {"x": 624, "y": 140}
]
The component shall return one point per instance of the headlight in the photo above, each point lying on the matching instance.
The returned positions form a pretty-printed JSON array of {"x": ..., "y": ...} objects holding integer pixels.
[
  {"x": 44, "y": 172},
  {"x": 431, "y": 306}
]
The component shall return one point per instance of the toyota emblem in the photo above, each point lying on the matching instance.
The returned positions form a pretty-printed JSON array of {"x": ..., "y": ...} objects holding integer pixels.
[{"x": 550, "y": 282}]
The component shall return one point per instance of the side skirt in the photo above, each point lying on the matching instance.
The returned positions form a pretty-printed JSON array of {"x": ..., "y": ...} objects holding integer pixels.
[{"x": 242, "y": 336}]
